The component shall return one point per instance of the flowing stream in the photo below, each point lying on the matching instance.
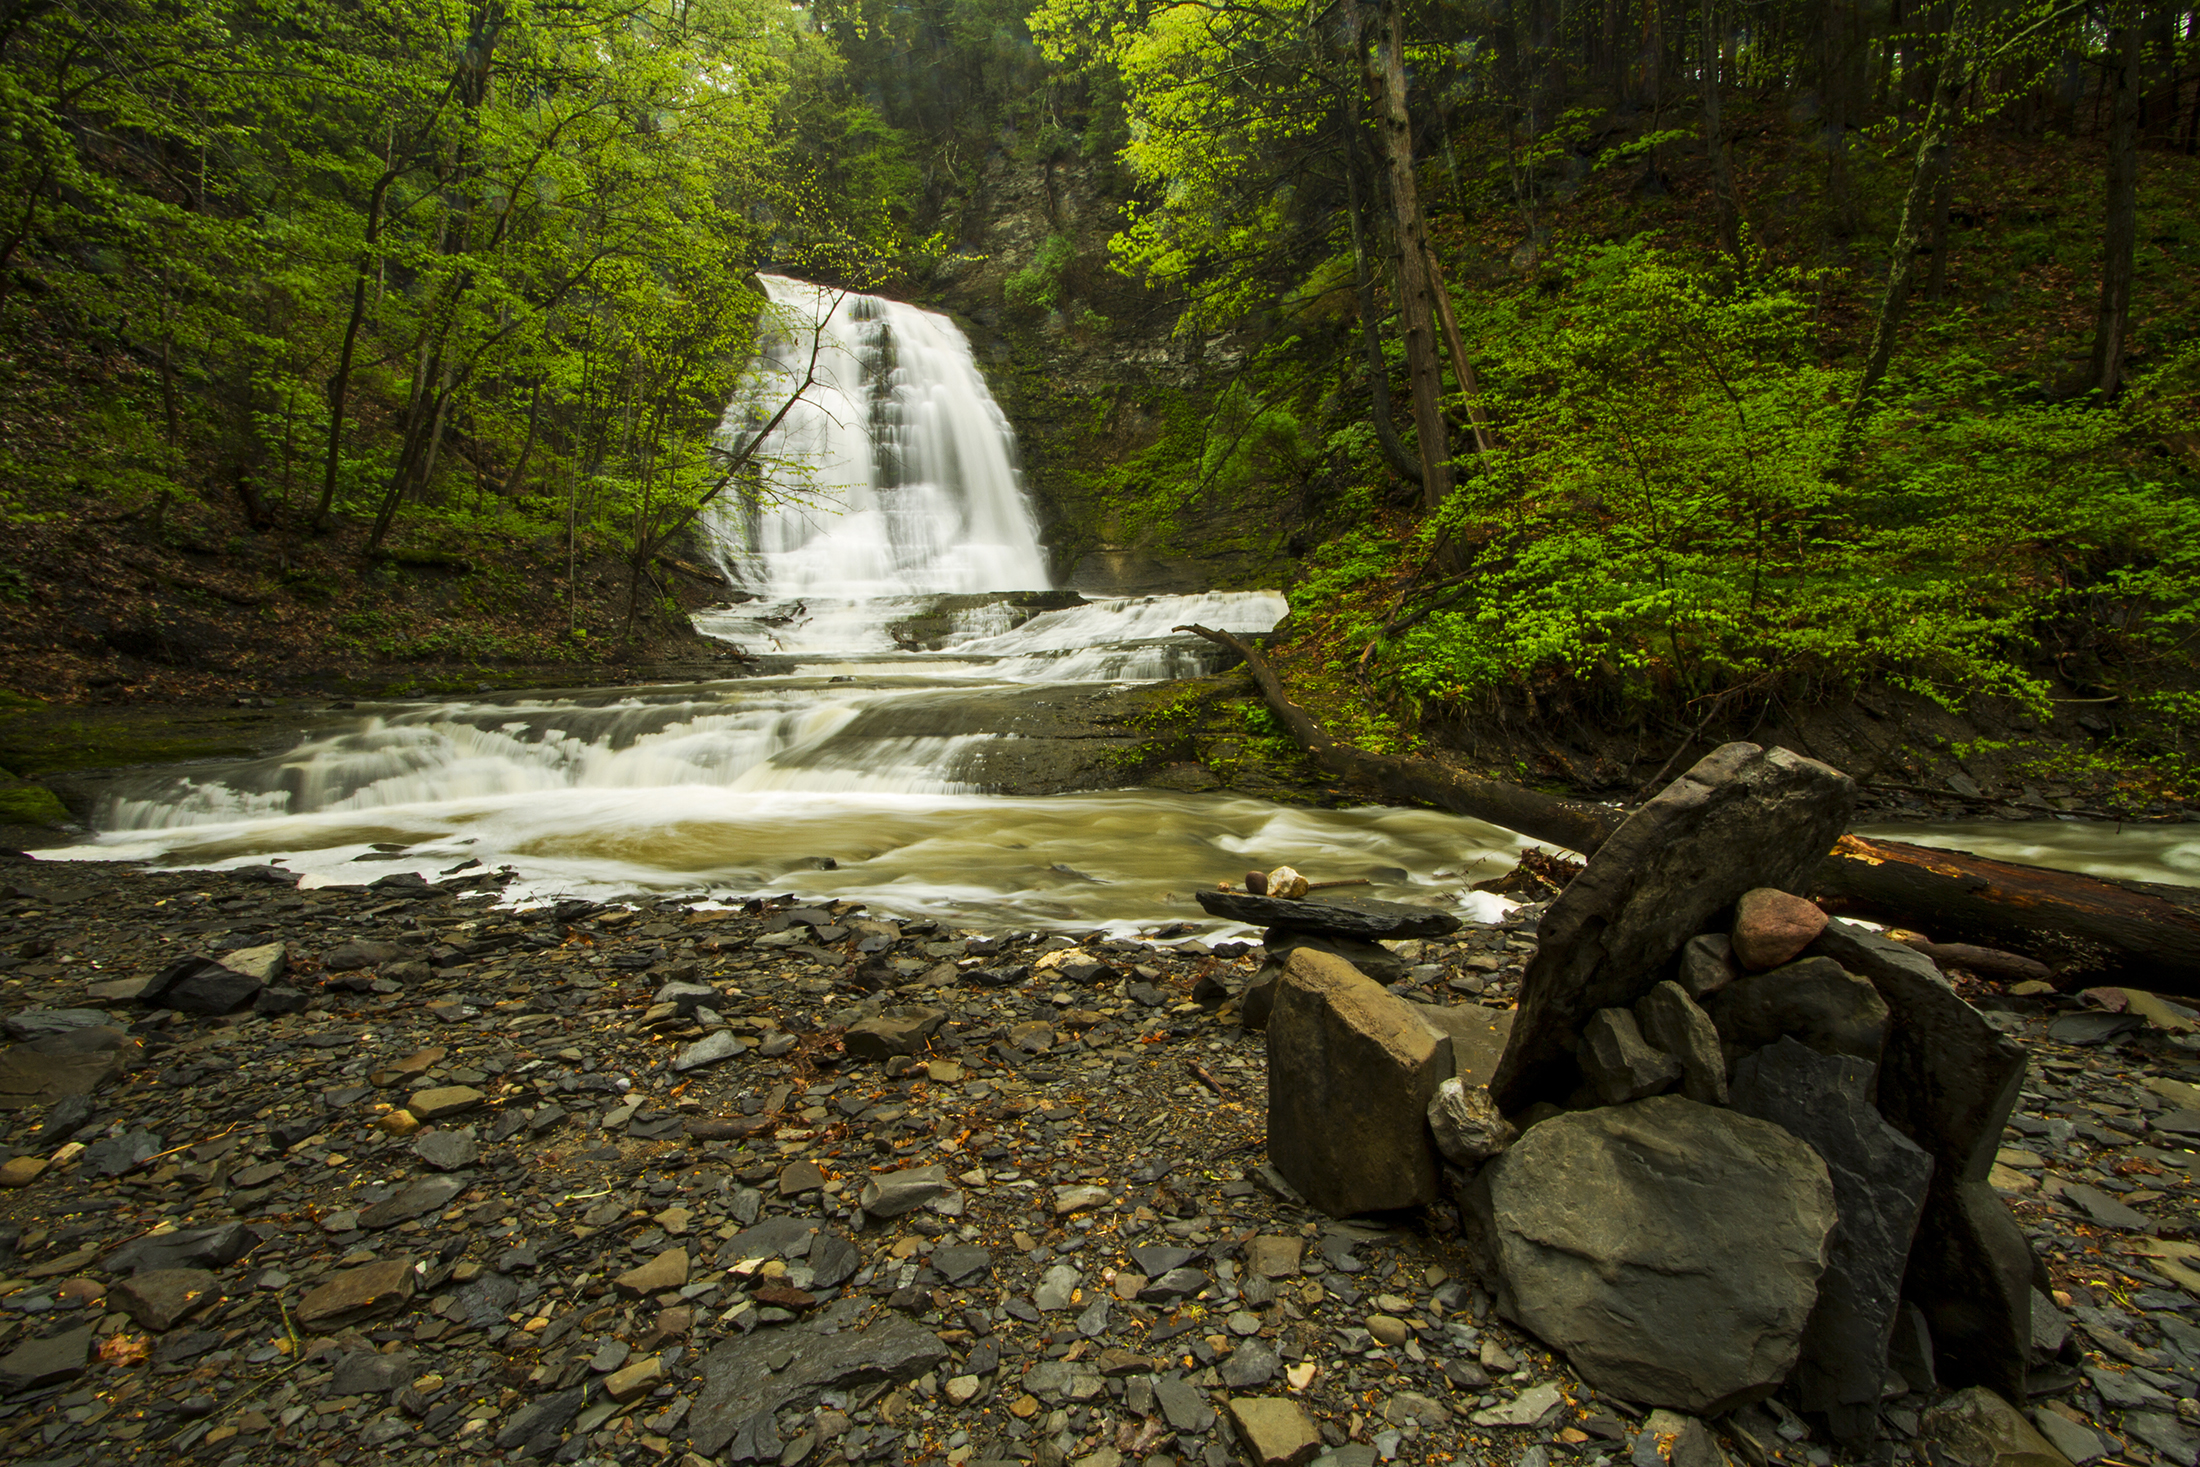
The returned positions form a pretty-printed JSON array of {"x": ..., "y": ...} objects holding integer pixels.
[{"x": 899, "y": 605}]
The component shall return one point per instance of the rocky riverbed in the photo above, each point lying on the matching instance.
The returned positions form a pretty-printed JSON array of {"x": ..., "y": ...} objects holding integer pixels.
[{"x": 720, "y": 1181}]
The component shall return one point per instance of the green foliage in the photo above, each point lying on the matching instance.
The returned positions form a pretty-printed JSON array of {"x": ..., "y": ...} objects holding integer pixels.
[
  {"x": 1038, "y": 286},
  {"x": 31, "y": 804},
  {"x": 1666, "y": 515}
]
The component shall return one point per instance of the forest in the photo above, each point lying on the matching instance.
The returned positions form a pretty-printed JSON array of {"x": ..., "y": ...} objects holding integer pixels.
[{"x": 1567, "y": 361}]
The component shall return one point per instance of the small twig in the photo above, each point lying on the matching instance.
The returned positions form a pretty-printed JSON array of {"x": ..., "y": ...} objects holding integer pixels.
[{"x": 1206, "y": 1077}]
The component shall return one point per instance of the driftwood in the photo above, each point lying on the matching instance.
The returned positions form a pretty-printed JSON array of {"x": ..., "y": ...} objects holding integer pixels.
[{"x": 2089, "y": 929}]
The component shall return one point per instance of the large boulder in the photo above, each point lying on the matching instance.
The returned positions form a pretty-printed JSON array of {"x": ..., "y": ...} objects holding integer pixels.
[
  {"x": 1351, "y": 1071},
  {"x": 1948, "y": 1081},
  {"x": 1744, "y": 817},
  {"x": 1618, "y": 1064},
  {"x": 1478, "y": 1037},
  {"x": 1816, "y": 1000},
  {"x": 1879, "y": 1179},
  {"x": 1671, "y": 1249},
  {"x": 1669, "y": 1019}
]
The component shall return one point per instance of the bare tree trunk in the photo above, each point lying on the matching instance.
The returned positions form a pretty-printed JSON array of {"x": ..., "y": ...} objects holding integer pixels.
[
  {"x": 2120, "y": 233},
  {"x": 339, "y": 387},
  {"x": 1462, "y": 368},
  {"x": 1401, "y": 463},
  {"x": 1416, "y": 305},
  {"x": 1714, "y": 138}
]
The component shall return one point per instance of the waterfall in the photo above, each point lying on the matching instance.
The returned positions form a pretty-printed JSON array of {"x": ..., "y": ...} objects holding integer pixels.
[{"x": 894, "y": 475}]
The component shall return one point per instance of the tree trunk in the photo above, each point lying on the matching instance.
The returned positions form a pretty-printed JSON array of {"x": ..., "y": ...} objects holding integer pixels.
[
  {"x": 2120, "y": 233},
  {"x": 339, "y": 386},
  {"x": 1401, "y": 463},
  {"x": 1714, "y": 138},
  {"x": 1416, "y": 306},
  {"x": 2090, "y": 928},
  {"x": 1462, "y": 368},
  {"x": 1932, "y": 160}
]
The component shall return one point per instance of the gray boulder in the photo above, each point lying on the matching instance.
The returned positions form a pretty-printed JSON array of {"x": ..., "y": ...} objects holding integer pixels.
[
  {"x": 1672, "y": 1250},
  {"x": 1744, "y": 817},
  {"x": 1815, "y": 1000},
  {"x": 1879, "y": 1179},
  {"x": 1669, "y": 1019},
  {"x": 1478, "y": 1036},
  {"x": 1618, "y": 1064},
  {"x": 1707, "y": 964},
  {"x": 1372, "y": 958},
  {"x": 1948, "y": 1081},
  {"x": 1351, "y": 1072},
  {"x": 1340, "y": 916}
]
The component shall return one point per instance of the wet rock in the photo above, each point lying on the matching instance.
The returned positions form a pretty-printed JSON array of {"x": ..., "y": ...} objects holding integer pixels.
[
  {"x": 1772, "y": 928},
  {"x": 894, "y": 1031},
  {"x": 1815, "y": 1001},
  {"x": 1743, "y": 817},
  {"x": 1617, "y": 1064},
  {"x": 1275, "y": 1431},
  {"x": 746, "y": 1382},
  {"x": 1948, "y": 1080},
  {"x": 1670, "y": 1249},
  {"x": 355, "y": 1295},
  {"x": 1466, "y": 1124},
  {"x": 1976, "y": 1428},
  {"x": 1351, "y": 1072},
  {"x": 1332, "y": 914},
  {"x": 160, "y": 1299},
  {"x": 1670, "y": 1020},
  {"x": 1879, "y": 1181}
]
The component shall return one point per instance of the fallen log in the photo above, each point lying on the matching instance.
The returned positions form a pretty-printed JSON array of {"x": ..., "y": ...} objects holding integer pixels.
[{"x": 2089, "y": 929}]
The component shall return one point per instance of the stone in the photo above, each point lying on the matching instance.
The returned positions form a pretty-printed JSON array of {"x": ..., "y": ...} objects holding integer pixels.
[
  {"x": 904, "y": 1030},
  {"x": 207, "y": 1248},
  {"x": 41, "y": 1023},
  {"x": 198, "y": 985},
  {"x": 275, "y": 1002},
  {"x": 638, "y": 1379},
  {"x": 1815, "y": 1000},
  {"x": 1949, "y": 1080},
  {"x": 1771, "y": 927},
  {"x": 350, "y": 957},
  {"x": 1183, "y": 1403},
  {"x": 1351, "y": 1072},
  {"x": 21, "y": 1171},
  {"x": 1372, "y": 958},
  {"x": 668, "y": 1270},
  {"x": 1250, "y": 1366},
  {"x": 1531, "y": 1408},
  {"x": 160, "y": 1299},
  {"x": 447, "y": 1151},
  {"x": 1976, "y": 1428},
  {"x": 46, "y": 1361},
  {"x": 414, "y": 1199},
  {"x": 2080, "y": 1445},
  {"x": 1879, "y": 1183},
  {"x": 354, "y": 1295},
  {"x": 1071, "y": 1200},
  {"x": 1672, "y": 1250},
  {"x": 367, "y": 1373},
  {"x": 2105, "y": 1210},
  {"x": 2166, "y": 1434},
  {"x": 708, "y": 1050},
  {"x": 896, "y": 1193},
  {"x": 1478, "y": 1036},
  {"x": 267, "y": 963},
  {"x": 747, "y": 1382},
  {"x": 1388, "y": 1330},
  {"x": 798, "y": 1177},
  {"x": 537, "y": 1426},
  {"x": 1743, "y": 817},
  {"x": 1274, "y": 1430},
  {"x": 443, "y": 1100},
  {"x": 1670, "y": 1020},
  {"x": 1707, "y": 965},
  {"x": 1617, "y": 1064},
  {"x": 80, "y": 1062},
  {"x": 1057, "y": 1288},
  {"x": 1333, "y": 914},
  {"x": 1283, "y": 882},
  {"x": 1270, "y": 1255},
  {"x": 1466, "y": 1124}
]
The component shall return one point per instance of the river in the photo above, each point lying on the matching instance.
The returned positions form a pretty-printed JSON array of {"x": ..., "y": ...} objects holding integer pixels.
[{"x": 890, "y": 580}]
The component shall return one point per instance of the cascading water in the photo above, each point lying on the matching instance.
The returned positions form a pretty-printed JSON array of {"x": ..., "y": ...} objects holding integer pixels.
[{"x": 894, "y": 471}]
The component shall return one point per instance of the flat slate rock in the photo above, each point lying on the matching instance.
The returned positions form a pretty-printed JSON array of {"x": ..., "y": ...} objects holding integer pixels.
[
  {"x": 1342, "y": 916},
  {"x": 431, "y": 1194},
  {"x": 733, "y": 1416}
]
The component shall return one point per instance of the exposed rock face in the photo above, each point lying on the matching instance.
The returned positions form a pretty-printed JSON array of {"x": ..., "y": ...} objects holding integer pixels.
[
  {"x": 1815, "y": 1000},
  {"x": 1351, "y": 1072},
  {"x": 1948, "y": 1081},
  {"x": 1772, "y": 927},
  {"x": 1879, "y": 1179},
  {"x": 1744, "y": 817},
  {"x": 1669, "y": 1019},
  {"x": 1478, "y": 1037},
  {"x": 1672, "y": 1250}
]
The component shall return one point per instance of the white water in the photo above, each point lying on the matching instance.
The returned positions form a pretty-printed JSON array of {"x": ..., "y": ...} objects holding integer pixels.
[{"x": 893, "y": 474}]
